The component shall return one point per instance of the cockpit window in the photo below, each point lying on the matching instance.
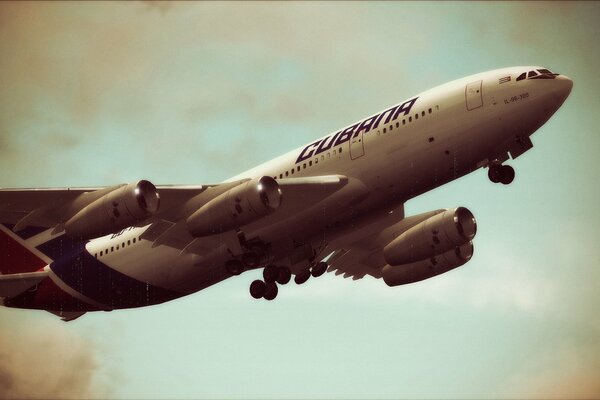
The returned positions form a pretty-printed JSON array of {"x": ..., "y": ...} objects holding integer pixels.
[
  {"x": 545, "y": 74},
  {"x": 542, "y": 73}
]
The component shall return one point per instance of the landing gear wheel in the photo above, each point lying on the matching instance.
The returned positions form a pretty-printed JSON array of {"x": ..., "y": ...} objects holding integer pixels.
[
  {"x": 270, "y": 273},
  {"x": 319, "y": 269},
  {"x": 302, "y": 277},
  {"x": 270, "y": 291},
  {"x": 234, "y": 267},
  {"x": 257, "y": 289},
  {"x": 495, "y": 173},
  {"x": 251, "y": 259},
  {"x": 283, "y": 275},
  {"x": 508, "y": 174}
]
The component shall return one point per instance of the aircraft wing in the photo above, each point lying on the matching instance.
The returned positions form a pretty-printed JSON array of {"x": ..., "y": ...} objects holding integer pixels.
[
  {"x": 360, "y": 252},
  {"x": 49, "y": 207},
  {"x": 296, "y": 194},
  {"x": 13, "y": 284}
]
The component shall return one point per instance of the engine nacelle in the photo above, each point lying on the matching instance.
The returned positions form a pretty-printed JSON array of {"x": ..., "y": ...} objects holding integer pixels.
[
  {"x": 236, "y": 207},
  {"x": 116, "y": 210},
  {"x": 436, "y": 235},
  {"x": 395, "y": 275}
]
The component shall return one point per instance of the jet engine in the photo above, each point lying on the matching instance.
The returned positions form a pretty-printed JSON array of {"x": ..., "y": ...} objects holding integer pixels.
[
  {"x": 116, "y": 210},
  {"x": 236, "y": 207},
  {"x": 436, "y": 235},
  {"x": 425, "y": 269}
]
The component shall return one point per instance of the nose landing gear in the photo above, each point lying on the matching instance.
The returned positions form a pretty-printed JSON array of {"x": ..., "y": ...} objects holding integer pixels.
[{"x": 498, "y": 173}]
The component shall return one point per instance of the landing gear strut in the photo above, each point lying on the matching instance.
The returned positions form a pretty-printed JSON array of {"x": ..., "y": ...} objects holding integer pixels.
[{"x": 498, "y": 173}]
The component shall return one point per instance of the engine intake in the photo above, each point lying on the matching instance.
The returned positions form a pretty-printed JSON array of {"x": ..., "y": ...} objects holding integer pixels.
[
  {"x": 434, "y": 236},
  {"x": 236, "y": 207},
  {"x": 425, "y": 269},
  {"x": 116, "y": 210}
]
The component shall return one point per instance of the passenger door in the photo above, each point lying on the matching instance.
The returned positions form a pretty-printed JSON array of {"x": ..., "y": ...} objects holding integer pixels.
[
  {"x": 473, "y": 95},
  {"x": 357, "y": 148}
]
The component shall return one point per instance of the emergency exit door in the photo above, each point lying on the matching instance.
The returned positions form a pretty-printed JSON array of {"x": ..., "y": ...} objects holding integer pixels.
[{"x": 473, "y": 95}]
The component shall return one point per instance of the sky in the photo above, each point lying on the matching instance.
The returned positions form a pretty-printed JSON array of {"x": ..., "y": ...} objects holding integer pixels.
[{"x": 192, "y": 93}]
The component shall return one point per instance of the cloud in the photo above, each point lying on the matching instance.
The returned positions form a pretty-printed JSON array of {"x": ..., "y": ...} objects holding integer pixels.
[
  {"x": 46, "y": 360},
  {"x": 87, "y": 78},
  {"x": 161, "y": 6},
  {"x": 568, "y": 370}
]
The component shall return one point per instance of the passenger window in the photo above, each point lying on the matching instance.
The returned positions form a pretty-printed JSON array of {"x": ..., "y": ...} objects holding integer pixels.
[
  {"x": 298, "y": 169},
  {"x": 304, "y": 166},
  {"x": 292, "y": 171},
  {"x": 129, "y": 243},
  {"x": 397, "y": 124},
  {"x": 430, "y": 111},
  {"x": 316, "y": 160},
  {"x": 403, "y": 122},
  {"x": 417, "y": 116},
  {"x": 340, "y": 150},
  {"x": 422, "y": 113},
  {"x": 286, "y": 173},
  {"x": 100, "y": 253},
  {"x": 133, "y": 240},
  {"x": 328, "y": 155},
  {"x": 310, "y": 163},
  {"x": 409, "y": 119},
  {"x": 322, "y": 157},
  {"x": 112, "y": 249},
  {"x": 122, "y": 244},
  {"x": 334, "y": 152},
  {"x": 383, "y": 130},
  {"x": 391, "y": 127}
]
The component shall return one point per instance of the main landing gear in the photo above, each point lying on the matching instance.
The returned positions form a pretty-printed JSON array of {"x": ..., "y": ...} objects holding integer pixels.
[
  {"x": 272, "y": 275},
  {"x": 499, "y": 173},
  {"x": 248, "y": 260}
]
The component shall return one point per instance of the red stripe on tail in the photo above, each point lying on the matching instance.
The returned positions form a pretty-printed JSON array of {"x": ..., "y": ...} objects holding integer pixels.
[{"x": 15, "y": 257}]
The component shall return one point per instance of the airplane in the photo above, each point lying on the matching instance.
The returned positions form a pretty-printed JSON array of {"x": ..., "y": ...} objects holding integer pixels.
[{"x": 335, "y": 205}]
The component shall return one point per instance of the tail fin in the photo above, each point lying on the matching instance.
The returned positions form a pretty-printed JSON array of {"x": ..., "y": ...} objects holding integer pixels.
[{"x": 17, "y": 256}]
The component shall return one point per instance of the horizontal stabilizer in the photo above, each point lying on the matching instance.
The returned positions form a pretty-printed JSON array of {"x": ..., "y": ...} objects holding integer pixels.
[
  {"x": 14, "y": 284},
  {"x": 68, "y": 315}
]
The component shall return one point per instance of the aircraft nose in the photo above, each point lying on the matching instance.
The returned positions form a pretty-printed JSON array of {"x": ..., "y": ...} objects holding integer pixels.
[{"x": 564, "y": 85}]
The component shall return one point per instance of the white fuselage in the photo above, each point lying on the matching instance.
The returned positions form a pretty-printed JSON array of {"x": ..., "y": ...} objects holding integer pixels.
[{"x": 450, "y": 131}]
